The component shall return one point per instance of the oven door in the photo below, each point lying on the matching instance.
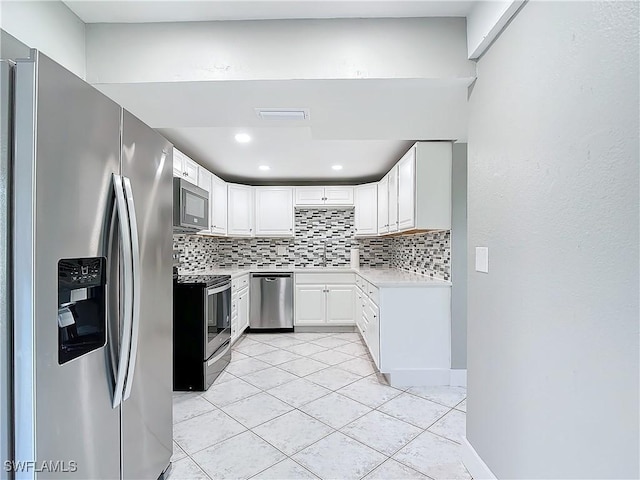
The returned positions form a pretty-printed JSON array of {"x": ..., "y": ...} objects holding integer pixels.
[{"x": 218, "y": 314}]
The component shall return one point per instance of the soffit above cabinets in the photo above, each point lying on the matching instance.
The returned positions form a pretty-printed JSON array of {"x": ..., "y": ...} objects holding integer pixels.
[
  {"x": 363, "y": 125},
  {"x": 212, "y": 10}
]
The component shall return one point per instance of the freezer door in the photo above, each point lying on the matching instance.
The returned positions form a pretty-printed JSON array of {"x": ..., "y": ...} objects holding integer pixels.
[
  {"x": 67, "y": 150},
  {"x": 147, "y": 403},
  {"x": 6, "y": 443}
]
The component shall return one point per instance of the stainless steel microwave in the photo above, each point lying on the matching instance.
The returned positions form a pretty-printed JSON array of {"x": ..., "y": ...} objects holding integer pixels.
[{"x": 190, "y": 207}]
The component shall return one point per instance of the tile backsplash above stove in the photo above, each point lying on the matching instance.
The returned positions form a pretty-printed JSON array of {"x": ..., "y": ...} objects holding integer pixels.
[{"x": 319, "y": 234}]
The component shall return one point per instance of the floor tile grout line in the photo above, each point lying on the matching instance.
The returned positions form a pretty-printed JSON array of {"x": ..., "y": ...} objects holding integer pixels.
[
  {"x": 407, "y": 466},
  {"x": 374, "y": 448},
  {"x": 278, "y": 463}
]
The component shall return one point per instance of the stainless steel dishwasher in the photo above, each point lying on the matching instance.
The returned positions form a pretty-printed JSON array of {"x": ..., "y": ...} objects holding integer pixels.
[{"x": 271, "y": 301}]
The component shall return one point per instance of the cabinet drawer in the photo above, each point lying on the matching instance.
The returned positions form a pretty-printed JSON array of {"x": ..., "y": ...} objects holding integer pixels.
[
  {"x": 239, "y": 283},
  {"x": 362, "y": 284},
  {"x": 324, "y": 278},
  {"x": 373, "y": 293}
]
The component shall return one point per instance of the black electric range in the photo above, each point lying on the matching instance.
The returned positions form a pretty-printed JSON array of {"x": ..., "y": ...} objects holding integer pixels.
[
  {"x": 205, "y": 280},
  {"x": 201, "y": 329}
]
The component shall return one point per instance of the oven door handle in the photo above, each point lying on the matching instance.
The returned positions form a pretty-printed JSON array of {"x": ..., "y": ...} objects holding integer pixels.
[
  {"x": 214, "y": 290},
  {"x": 224, "y": 347}
]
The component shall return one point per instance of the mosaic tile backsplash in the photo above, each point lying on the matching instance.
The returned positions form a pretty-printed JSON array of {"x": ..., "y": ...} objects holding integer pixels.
[{"x": 319, "y": 234}]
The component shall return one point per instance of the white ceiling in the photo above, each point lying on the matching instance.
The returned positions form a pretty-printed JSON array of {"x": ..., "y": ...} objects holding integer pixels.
[
  {"x": 211, "y": 10},
  {"x": 364, "y": 125}
]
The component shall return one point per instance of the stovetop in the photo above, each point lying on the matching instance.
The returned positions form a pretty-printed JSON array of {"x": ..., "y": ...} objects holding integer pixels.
[{"x": 207, "y": 280}]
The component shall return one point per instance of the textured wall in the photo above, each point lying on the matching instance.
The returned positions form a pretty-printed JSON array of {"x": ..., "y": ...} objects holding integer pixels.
[
  {"x": 553, "y": 192},
  {"x": 317, "y": 229}
]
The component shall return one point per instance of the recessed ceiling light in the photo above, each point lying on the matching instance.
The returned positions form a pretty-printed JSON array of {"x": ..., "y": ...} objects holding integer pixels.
[
  {"x": 264, "y": 168},
  {"x": 337, "y": 167},
  {"x": 243, "y": 138}
]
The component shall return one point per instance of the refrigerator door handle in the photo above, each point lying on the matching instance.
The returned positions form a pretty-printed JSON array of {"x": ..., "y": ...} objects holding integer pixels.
[
  {"x": 125, "y": 338},
  {"x": 135, "y": 248}
]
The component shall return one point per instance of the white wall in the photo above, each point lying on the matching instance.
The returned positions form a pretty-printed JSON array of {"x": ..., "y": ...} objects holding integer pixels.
[
  {"x": 50, "y": 27},
  {"x": 279, "y": 49},
  {"x": 553, "y": 192}
]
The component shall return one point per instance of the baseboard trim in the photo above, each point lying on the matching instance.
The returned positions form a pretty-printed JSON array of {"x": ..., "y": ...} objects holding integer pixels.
[
  {"x": 472, "y": 461},
  {"x": 458, "y": 377},
  {"x": 426, "y": 377}
]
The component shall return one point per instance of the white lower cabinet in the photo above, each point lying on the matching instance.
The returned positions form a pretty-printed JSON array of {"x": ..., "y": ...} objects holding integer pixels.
[
  {"x": 239, "y": 306},
  {"x": 310, "y": 304},
  {"x": 243, "y": 311},
  {"x": 372, "y": 334},
  {"x": 340, "y": 304},
  {"x": 325, "y": 304}
]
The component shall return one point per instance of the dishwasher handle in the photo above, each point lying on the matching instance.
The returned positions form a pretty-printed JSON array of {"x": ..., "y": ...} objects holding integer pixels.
[{"x": 271, "y": 276}]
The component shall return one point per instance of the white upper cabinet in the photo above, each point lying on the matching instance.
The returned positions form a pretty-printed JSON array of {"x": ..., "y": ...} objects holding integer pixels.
[
  {"x": 184, "y": 167},
  {"x": 274, "y": 211},
  {"x": 204, "y": 182},
  {"x": 424, "y": 199},
  {"x": 393, "y": 199},
  {"x": 240, "y": 211},
  {"x": 311, "y": 196},
  {"x": 366, "y": 209},
  {"x": 407, "y": 190},
  {"x": 383, "y": 205},
  {"x": 218, "y": 206},
  {"x": 338, "y": 195}
]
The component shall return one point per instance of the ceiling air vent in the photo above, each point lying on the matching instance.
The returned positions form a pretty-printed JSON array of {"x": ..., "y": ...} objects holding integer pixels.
[{"x": 283, "y": 113}]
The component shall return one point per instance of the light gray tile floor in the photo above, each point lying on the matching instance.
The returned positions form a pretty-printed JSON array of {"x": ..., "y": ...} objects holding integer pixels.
[{"x": 311, "y": 405}]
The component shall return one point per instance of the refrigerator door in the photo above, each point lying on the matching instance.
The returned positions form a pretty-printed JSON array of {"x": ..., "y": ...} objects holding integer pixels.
[
  {"x": 67, "y": 138},
  {"x": 6, "y": 82},
  {"x": 147, "y": 164}
]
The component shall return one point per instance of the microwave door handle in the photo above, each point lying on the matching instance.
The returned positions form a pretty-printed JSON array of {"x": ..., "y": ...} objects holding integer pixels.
[
  {"x": 127, "y": 268},
  {"x": 135, "y": 257}
]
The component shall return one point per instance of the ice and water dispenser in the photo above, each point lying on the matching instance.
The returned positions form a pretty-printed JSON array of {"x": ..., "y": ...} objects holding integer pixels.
[{"x": 81, "y": 306}]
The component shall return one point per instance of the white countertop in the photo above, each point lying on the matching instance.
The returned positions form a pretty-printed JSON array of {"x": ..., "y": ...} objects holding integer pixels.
[{"x": 380, "y": 277}]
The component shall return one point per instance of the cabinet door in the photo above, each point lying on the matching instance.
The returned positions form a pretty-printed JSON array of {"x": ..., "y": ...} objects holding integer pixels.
[
  {"x": 366, "y": 211},
  {"x": 240, "y": 220},
  {"x": 309, "y": 196},
  {"x": 218, "y": 205},
  {"x": 178, "y": 170},
  {"x": 338, "y": 195},
  {"x": 274, "y": 211},
  {"x": 204, "y": 179},
  {"x": 190, "y": 170},
  {"x": 358, "y": 311},
  {"x": 383, "y": 205},
  {"x": 373, "y": 331},
  {"x": 341, "y": 304},
  {"x": 393, "y": 199},
  {"x": 243, "y": 311},
  {"x": 372, "y": 335},
  {"x": 310, "y": 305},
  {"x": 407, "y": 191}
]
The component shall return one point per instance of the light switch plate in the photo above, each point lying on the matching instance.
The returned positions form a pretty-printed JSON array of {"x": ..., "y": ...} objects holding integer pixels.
[
  {"x": 482, "y": 259},
  {"x": 280, "y": 250}
]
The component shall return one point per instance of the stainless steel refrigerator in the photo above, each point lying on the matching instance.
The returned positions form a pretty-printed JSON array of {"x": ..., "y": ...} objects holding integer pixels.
[{"x": 86, "y": 217}]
